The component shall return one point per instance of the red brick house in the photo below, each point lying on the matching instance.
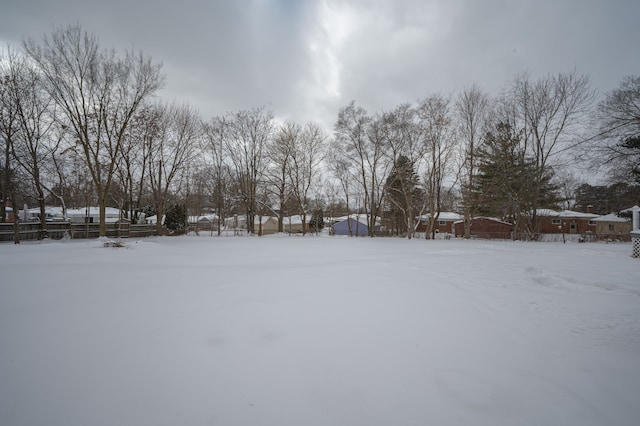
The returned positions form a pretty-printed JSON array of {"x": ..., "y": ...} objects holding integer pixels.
[
  {"x": 486, "y": 227},
  {"x": 444, "y": 222},
  {"x": 566, "y": 221}
]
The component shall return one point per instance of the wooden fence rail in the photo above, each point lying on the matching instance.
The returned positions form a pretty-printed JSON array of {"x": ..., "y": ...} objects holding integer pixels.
[{"x": 60, "y": 230}]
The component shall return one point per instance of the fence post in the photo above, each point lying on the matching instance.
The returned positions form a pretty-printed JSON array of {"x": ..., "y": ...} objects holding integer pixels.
[{"x": 635, "y": 233}]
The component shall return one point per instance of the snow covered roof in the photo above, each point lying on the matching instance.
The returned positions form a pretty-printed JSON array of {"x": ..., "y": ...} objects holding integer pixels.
[
  {"x": 611, "y": 217},
  {"x": 630, "y": 209},
  {"x": 53, "y": 211},
  {"x": 295, "y": 220},
  {"x": 565, "y": 213},
  {"x": 362, "y": 218},
  {"x": 93, "y": 211},
  {"x": 445, "y": 216},
  {"x": 493, "y": 219},
  {"x": 264, "y": 219},
  {"x": 203, "y": 218}
]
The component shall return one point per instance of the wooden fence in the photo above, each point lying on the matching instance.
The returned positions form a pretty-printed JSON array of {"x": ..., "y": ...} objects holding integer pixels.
[{"x": 60, "y": 230}]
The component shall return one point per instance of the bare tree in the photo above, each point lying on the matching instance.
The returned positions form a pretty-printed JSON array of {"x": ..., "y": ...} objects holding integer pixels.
[
  {"x": 435, "y": 118},
  {"x": 618, "y": 139},
  {"x": 342, "y": 171},
  {"x": 142, "y": 137},
  {"x": 550, "y": 111},
  {"x": 280, "y": 153},
  {"x": 472, "y": 110},
  {"x": 171, "y": 153},
  {"x": 306, "y": 157},
  {"x": 98, "y": 92},
  {"x": 246, "y": 146},
  {"x": 360, "y": 143},
  {"x": 9, "y": 129},
  {"x": 216, "y": 133},
  {"x": 60, "y": 169},
  {"x": 34, "y": 146},
  {"x": 568, "y": 184}
]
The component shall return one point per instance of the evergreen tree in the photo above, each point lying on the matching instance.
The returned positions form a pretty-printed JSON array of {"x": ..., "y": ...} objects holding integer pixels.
[
  {"x": 176, "y": 218},
  {"x": 508, "y": 180},
  {"x": 403, "y": 195},
  {"x": 606, "y": 199},
  {"x": 317, "y": 221},
  {"x": 632, "y": 146}
]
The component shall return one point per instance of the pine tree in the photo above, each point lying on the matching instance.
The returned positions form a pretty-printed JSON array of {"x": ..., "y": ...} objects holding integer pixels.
[
  {"x": 605, "y": 199},
  {"x": 176, "y": 218},
  {"x": 403, "y": 194},
  {"x": 509, "y": 184},
  {"x": 317, "y": 221},
  {"x": 632, "y": 145}
]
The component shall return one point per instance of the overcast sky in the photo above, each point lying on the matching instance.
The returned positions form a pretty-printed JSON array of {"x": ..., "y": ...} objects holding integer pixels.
[{"x": 305, "y": 59}]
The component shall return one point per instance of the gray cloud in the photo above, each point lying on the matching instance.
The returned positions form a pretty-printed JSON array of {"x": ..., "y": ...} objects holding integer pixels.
[{"x": 306, "y": 59}]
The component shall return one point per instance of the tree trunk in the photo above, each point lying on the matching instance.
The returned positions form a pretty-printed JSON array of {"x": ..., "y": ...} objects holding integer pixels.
[{"x": 102, "y": 202}]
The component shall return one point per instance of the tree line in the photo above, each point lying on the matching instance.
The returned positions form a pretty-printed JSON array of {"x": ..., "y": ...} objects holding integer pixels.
[{"x": 81, "y": 125}]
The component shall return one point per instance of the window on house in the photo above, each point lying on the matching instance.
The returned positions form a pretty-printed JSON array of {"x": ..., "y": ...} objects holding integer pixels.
[
  {"x": 555, "y": 221},
  {"x": 611, "y": 227},
  {"x": 573, "y": 226},
  {"x": 592, "y": 223},
  {"x": 442, "y": 222}
]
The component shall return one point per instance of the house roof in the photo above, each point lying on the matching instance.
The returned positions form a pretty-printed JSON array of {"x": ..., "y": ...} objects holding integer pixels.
[
  {"x": 352, "y": 219},
  {"x": 203, "y": 218},
  {"x": 565, "y": 213},
  {"x": 53, "y": 211},
  {"x": 362, "y": 218},
  {"x": 93, "y": 211},
  {"x": 611, "y": 217},
  {"x": 444, "y": 216},
  {"x": 493, "y": 219},
  {"x": 111, "y": 212},
  {"x": 295, "y": 219},
  {"x": 630, "y": 209}
]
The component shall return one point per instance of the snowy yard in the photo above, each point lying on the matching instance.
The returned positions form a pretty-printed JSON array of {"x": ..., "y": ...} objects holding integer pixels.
[{"x": 319, "y": 331}]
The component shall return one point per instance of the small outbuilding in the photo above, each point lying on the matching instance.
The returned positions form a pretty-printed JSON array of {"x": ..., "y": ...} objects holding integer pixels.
[{"x": 351, "y": 226}]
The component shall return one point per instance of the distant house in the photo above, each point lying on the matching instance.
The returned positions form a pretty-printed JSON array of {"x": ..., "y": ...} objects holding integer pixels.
[
  {"x": 486, "y": 227},
  {"x": 204, "y": 223},
  {"x": 262, "y": 225},
  {"x": 355, "y": 225},
  {"x": 566, "y": 221},
  {"x": 33, "y": 214},
  {"x": 444, "y": 222},
  {"x": 265, "y": 225},
  {"x": 613, "y": 226},
  {"x": 293, "y": 224},
  {"x": 92, "y": 215}
]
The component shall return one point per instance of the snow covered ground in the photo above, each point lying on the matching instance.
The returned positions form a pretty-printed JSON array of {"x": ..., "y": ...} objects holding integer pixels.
[{"x": 319, "y": 331}]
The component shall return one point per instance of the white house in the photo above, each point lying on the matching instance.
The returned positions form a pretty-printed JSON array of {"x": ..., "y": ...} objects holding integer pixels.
[{"x": 112, "y": 215}]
